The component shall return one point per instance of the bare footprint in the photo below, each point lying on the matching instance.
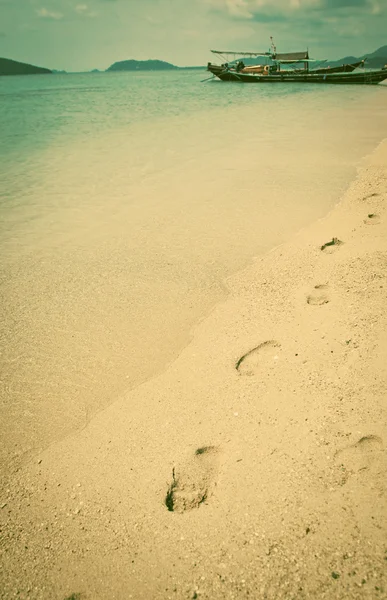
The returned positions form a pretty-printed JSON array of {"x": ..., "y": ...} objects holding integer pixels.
[
  {"x": 263, "y": 356},
  {"x": 192, "y": 483},
  {"x": 359, "y": 456},
  {"x": 332, "y": 246},
  {"x": 319, "y": 296},
  {"x": 372, "y": 219},
  {"x": 371, "y": 195}
]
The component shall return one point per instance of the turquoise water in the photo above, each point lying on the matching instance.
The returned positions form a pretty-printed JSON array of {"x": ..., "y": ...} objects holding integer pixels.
[
  {"x": 127, "y": 200},
  {"x": 39, "y": 111}
]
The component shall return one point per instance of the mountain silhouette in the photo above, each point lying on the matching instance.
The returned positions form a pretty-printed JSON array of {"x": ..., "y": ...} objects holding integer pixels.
[
  {"x": 13, "y": 67},
  {"x": 141, "y": 65}
]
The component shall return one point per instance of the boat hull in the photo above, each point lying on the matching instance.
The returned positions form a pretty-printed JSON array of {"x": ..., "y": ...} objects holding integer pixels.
[
  {"x": 341, "y": 69},
  {"x": 363, "y": 77},
  {"x": 251, "y": 70}
]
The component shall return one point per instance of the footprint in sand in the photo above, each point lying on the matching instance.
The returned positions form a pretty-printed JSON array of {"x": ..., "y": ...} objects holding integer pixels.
[
  {"x": 192, "y": 483},
  {"x": 264, "y": 356},
  {"x": 360, "y": 456},
  {"x": 371, "y": 196},
  {"x": 372, "y": 219},
  {"x": 319, "y": 296},
  {"x": 332, "y": 246}
]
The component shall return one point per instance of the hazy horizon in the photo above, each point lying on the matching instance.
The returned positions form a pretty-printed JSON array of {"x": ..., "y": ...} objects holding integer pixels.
[{"x": 81, "y": 35}]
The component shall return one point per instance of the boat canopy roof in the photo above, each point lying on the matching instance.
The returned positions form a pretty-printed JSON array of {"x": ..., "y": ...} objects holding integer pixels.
[
  {"x": 286, "y": 58},
  {"x": 291, "y": 56},
  {"x": 242, "y": 53}
]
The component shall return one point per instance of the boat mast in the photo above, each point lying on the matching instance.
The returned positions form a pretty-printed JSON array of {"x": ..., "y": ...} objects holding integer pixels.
[
  {"x": 274, "y": 51},
  {"x": 273, "y": 46}
]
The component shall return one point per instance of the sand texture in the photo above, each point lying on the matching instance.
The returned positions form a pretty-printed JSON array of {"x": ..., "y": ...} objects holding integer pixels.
[{"x": 255, "y": 465}]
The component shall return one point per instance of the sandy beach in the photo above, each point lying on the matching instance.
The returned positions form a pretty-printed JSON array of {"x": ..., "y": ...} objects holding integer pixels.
[{"x": 254, "y": 465}]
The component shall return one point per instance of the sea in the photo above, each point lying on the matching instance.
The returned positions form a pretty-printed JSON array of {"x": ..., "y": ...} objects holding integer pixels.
[{"x": 128, "y": 200}]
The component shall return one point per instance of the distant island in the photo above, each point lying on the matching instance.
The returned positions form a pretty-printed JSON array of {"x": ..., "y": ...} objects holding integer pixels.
[
  {"x": 374, "y": 60},
  {"x": 13, "y": 67},
  {"x": 142, "y": 65}
]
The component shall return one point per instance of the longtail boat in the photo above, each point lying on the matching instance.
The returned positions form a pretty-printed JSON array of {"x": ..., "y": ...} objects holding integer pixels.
[{"x": 273, "y": 71}]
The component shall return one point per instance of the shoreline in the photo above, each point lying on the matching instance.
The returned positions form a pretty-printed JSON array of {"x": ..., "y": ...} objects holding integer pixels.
[{"x": 255, "y": 462}]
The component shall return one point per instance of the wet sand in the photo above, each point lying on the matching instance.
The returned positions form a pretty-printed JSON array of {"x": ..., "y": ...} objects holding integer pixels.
[{"x": 254, "y": 466}]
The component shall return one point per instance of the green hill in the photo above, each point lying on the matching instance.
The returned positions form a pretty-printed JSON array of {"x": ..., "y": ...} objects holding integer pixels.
[
  {"x": 141, "y": 65},
  {"x": 375, "y": 60},
  {"x": 13, "y": 67}
]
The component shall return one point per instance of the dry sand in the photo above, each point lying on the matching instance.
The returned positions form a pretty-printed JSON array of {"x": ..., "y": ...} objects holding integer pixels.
[{"x": 255, "y": 465}]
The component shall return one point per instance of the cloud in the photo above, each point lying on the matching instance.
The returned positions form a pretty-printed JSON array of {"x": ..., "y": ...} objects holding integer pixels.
[
  {"x": 339, "y": 4},
  {"x": 84, "y": 11},
  {"x": 376, "y": 9},
  {"x": 239, "y": 8},
  {"x": 253, "y": 9},
  {"x": 43, "y": 13},
  {"x": 332, "y": 24}
]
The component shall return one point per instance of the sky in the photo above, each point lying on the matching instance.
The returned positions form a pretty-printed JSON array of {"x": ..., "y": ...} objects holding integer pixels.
[{"x": 79, "y": 35}]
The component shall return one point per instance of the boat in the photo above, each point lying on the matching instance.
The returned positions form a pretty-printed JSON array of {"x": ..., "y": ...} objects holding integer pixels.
[
  {"x": 263, "y": 69},
  {"x": 273, "y": 71},
  {"x": 366, "y": 77}
]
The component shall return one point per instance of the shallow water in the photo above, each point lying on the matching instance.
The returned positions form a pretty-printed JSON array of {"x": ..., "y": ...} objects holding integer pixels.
[{"x": 126, "y": 200}]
